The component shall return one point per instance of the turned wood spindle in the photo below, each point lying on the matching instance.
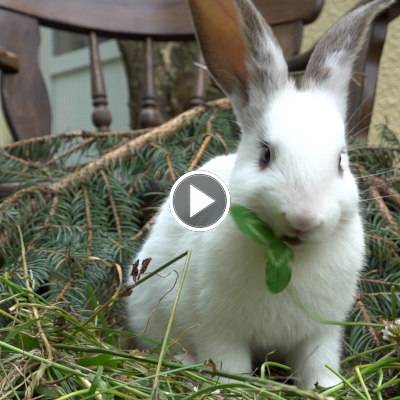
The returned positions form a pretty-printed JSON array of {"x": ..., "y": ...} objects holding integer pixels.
[
  {"x": 101, "y": 115},
  {"x": 198, "y": 98},
  {"x": 149, "y": 113}
]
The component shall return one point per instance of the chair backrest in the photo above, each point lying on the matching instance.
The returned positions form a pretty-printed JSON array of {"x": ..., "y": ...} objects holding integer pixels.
[{"x": 25, "y": 99}]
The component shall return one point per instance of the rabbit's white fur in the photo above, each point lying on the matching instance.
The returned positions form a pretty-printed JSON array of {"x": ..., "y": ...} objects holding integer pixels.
[{"x": 226, "y": 313}]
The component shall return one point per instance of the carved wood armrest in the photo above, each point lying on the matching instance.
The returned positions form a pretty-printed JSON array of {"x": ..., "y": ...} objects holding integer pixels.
[{"x": 8, "y": 61}]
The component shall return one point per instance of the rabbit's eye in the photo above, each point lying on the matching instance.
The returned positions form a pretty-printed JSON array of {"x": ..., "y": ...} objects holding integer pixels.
[
  {"x": 343, "y": 161},
  {"x": 266, "y": 155}
]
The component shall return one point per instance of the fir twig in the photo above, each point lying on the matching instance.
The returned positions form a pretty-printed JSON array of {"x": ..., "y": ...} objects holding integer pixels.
[
  {"x": 112, "y": 204},
  {"x": 120, "y": 153},
  {"x": 144, "y": 229},
  {"x": 21, "y": 161},
  {"x": 367, "y": 319},
  {"x": 53, "y": 210},
  {"x": 204, "y": 145},
  {"x": 377, "y": 198},
  {"x": 76, "y": 134},
  {"x": 68, "y": 152},
  {"x": 89, "y": 223}
]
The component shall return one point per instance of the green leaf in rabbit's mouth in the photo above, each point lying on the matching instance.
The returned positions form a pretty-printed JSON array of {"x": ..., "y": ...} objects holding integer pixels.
[{"x": 277, "y": 253}]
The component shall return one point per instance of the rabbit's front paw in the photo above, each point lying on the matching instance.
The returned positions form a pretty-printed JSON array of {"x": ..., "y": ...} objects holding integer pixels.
[
  {"x": 327, "y": 380},
  {"x": 228, "y": 357},
  {"x": 309, "y": 359},
  {"x": 185, "y": 358},
  {"x": 323, "y": 379}
]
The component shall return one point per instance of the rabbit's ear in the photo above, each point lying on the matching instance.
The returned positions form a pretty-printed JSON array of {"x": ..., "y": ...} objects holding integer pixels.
[
  {"x": 239, "y": 47},
  {"x": 331, "y": 64}
]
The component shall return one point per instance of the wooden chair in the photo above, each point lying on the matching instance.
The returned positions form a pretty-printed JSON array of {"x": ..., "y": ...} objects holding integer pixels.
[{"x": 25, "y": 99}]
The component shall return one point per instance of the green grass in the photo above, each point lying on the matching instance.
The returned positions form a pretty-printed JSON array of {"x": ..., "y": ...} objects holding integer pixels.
[{"x": 53, "y": 354}]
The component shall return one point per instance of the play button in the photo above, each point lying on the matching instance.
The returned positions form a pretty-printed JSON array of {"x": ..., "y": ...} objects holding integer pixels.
[{"x": 199, "y": 200}]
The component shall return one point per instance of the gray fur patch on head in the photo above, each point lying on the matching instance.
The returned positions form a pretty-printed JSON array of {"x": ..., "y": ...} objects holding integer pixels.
[
  {"x": 331, "y": 63},
  {"x": 268, "y": 70}
]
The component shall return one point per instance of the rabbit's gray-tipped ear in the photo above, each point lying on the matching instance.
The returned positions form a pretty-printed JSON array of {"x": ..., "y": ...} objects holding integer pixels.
[
  {"x": 239, "y": 47},
  {"x": 331, "y": 64}
]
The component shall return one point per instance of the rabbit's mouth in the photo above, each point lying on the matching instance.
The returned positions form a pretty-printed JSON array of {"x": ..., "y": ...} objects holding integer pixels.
[{"x": 293, "y": 240}]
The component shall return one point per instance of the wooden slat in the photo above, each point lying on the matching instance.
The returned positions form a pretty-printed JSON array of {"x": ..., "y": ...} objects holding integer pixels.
[
  {"x": 101, "y": 115},
  {"x": 25, "y": 100},
  {"x": 155, "y": 18},
  {"x": 110, "y": 17},
  {"x": 149, "y": 115},
  {"x": 198, "y": 97},
  {"x": 289, "y": 36},
  {"x": 365, "y": 79},
  {"x": 284, "y": 11},
  {"x": 8, "y": 61}
]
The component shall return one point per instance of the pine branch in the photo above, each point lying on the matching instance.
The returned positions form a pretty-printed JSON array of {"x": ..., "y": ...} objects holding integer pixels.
[{"x": 120, "y": 153}]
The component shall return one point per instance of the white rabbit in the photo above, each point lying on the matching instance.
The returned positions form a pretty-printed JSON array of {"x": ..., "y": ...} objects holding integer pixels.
[{"x": 291, "y": 168}]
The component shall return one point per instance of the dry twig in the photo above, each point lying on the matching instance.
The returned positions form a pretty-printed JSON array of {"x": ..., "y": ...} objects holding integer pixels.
[
  {"x": 382, "y": 207},
  {"x": 204, "y": 145},
  {"x": 85, "y": 173},
  {"x": 367, "y": 319},
  {"x": 68, "y": 152},
  {"x": 89, "y": 222},
  {"x": 112, "y": 204}
]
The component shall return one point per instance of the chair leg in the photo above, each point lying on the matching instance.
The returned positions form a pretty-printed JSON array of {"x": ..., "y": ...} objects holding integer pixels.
[
  {"x": 149, "y": 115},
  {"x": 198, "y": 98},
  {"x": 101, "y": 115}
]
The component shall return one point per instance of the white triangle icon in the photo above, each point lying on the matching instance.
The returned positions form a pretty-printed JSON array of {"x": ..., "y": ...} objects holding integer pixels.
[{"x": 198, "y": 201}]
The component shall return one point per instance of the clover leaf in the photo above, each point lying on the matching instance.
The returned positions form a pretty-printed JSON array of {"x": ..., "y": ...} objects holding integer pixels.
[
  {"x": 277, "y": 253},
  {"x": 252, "y": 226},
  {"x": 277, "y": 269}
]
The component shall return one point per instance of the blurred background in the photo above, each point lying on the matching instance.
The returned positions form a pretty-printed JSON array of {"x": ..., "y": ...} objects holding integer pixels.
[{"x": 64, "y": 59}]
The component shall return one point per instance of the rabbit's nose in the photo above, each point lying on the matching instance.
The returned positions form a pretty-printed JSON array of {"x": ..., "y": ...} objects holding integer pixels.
[{"x": 302, "y": 221}]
